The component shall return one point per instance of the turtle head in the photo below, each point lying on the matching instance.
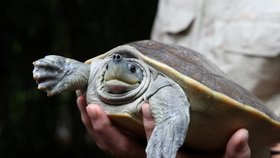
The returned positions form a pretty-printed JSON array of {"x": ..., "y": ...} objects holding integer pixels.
[{"x": 121, "y": 75}]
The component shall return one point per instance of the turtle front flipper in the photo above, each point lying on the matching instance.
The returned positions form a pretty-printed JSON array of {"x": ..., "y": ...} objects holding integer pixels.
[
  {"x": 55, "y": 74},
  {"x": 170, "y": 109}
]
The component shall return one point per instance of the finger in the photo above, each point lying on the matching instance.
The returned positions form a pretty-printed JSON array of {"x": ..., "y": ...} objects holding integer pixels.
[
  {"x": 275, "y": 151},
  {"x": 148, "y": 120},
  {"x": 81, "y": 102},
  {"x": 117, "y": 143},
  {"x": 92, "y": 132},
  {"x": 237, "y": 146}
]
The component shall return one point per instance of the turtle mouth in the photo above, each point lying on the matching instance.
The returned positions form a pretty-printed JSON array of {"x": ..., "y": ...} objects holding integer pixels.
[
  {"x": 117, "y": 86},
  {"x": 121, "y": 78}
]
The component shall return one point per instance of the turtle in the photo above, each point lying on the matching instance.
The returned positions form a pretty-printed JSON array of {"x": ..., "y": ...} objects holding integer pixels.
[{"x": 195, "y": 106}]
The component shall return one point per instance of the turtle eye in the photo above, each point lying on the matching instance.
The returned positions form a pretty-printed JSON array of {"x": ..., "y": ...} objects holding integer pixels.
[{"x": 132, "y": 68}]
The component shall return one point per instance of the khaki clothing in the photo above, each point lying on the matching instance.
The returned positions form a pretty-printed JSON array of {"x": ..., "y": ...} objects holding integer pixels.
[{"x": 242, "y": 37}]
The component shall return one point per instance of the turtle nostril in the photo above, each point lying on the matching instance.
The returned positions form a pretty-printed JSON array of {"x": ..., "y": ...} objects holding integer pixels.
[{"x": 117, "y": 57}]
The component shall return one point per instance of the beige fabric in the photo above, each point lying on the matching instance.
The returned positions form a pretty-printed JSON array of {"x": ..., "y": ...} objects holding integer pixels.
[{"x": 242, "y": 37}]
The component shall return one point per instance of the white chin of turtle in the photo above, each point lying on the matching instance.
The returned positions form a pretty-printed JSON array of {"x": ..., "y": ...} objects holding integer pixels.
[{"x": 118, "y": 87}]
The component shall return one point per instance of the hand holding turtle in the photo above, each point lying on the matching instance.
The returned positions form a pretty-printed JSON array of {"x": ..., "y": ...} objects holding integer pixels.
[
  {"x": 105, "y": 135},
  {"x": 111, "y": 140}
]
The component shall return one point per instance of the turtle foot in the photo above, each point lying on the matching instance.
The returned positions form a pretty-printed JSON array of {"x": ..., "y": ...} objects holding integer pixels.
[
  {"x": 49, "y": 73},
  {"x": 163, "y": 142}
]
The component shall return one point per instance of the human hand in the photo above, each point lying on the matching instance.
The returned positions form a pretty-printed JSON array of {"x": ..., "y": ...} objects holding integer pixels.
[
  {"x": 107, "y": 137},
  {"x": 110, "y": 139}
]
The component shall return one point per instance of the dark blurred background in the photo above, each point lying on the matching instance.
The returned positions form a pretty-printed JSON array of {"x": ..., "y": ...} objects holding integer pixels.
[{"x": 32, "y": 124}]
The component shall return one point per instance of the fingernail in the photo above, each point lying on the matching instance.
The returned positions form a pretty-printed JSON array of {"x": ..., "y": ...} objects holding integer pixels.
[
  {"x": 146, "y": 112},
  {"x": 245, "y": 137},
  {"x": 92, "y": 112}
]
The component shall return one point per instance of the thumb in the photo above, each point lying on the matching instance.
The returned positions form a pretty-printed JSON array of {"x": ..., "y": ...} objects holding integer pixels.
[
  {"x": 148, "y": 120},
  {"x": 237, "y": 146}
]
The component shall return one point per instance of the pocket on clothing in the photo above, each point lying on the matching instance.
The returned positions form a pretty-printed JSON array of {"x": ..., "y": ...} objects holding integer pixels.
[
  {"x": 256, "y": 36},
  {"x": 175, "y": 17},
  {"x": 179, "y": 24}
]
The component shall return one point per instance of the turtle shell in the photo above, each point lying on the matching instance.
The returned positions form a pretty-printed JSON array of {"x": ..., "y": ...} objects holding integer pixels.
[{"x": 219, "y": 106}]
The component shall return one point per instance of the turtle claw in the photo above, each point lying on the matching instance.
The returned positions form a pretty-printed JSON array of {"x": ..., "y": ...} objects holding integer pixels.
[
  {"x": 53, "y": 64},
  {"x": 54, "y": 74},
  {"x": 49, "y": 72}
]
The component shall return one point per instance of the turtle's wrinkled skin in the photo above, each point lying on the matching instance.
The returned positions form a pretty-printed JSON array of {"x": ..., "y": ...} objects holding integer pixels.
[{"x": 191, "y": 100}]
